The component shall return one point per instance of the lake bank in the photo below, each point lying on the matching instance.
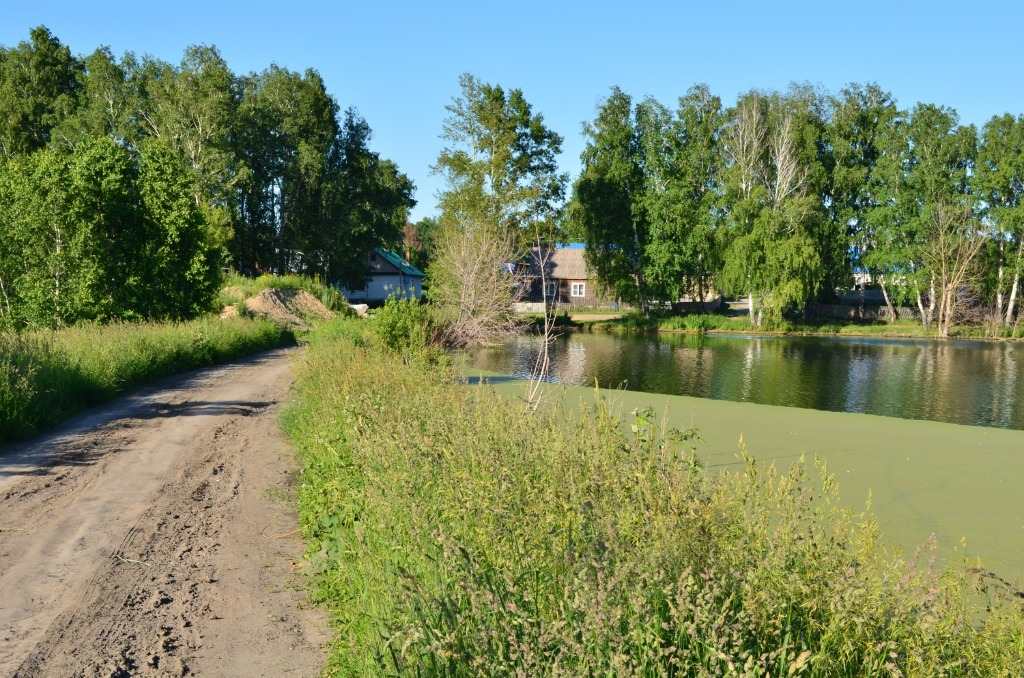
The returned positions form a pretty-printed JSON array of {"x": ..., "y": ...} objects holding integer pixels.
[{"x": 924, "y": 477}]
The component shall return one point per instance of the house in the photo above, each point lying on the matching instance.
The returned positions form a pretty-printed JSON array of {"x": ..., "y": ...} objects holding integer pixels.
[
  {"x": 567, "y": 281},
  {"x": 390, "y": 274}
]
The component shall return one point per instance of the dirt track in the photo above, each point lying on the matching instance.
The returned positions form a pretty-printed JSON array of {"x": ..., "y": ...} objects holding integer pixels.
[{"x": 155, "y": 537}]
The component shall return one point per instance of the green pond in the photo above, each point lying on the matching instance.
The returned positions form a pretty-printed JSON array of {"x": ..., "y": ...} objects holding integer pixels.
[{"x": 961, "y": 382}]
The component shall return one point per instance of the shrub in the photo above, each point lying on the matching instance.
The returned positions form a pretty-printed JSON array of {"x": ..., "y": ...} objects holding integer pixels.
[{"x": 404, "y": 325}]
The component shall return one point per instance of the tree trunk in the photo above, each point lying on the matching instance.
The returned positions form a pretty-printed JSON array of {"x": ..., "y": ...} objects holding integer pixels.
[
  {"x": 888, "y": 302},
  {"x": 999, "y": 289},
  {"x": 1015, "y": 286},
  {"x": 931, "y": 300},
  {"x": 925, "y": 316}
]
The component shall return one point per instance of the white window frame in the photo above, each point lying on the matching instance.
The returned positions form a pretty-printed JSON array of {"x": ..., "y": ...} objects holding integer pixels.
[
  {"x": 578, "y": 290},
  {"x": 550, "y": 289}
]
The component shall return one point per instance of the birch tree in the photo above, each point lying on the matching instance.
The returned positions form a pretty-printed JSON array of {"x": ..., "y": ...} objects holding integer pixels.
[
  {"x": 682, "y": 167},
  {"x": 500, "y": 178},
  {"x": 773, "y": 179},
  {"x": 1000, "y": 181},
  {"x": 934, "y": 200}
]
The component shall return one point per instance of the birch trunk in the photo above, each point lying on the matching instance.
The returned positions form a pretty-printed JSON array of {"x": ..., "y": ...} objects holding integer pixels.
[
  {"x": 888, "y": 302},
  {"x": 1010, "y": 303},
  {"x": 925, "y": 318},
  {"x": 1016, "y": 284}
]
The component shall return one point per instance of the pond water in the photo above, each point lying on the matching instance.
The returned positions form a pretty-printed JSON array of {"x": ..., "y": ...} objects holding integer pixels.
[{"x": 961, "y": 382}]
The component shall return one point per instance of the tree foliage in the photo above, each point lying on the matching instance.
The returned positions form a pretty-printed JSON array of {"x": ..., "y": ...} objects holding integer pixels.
[
  {"x": 608, "y": 207},
  {"x": 500, "y": 162},
  {"x": 276, "y": 178}
]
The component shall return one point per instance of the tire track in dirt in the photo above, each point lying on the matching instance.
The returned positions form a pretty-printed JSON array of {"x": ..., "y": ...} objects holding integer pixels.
[{"x": 155, "y": 537}]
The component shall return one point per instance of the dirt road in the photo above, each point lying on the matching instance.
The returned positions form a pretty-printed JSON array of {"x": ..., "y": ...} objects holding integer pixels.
[{"x": 155, "y": 537}]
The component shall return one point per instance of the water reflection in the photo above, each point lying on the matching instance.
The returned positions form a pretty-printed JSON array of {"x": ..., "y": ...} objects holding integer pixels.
[{"x": 961, "y": 382}]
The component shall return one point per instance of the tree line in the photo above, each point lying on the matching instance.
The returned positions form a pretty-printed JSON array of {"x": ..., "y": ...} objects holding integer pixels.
[
  {"x": 784, "y": 196},
  {"x": 128, "y": 183}
]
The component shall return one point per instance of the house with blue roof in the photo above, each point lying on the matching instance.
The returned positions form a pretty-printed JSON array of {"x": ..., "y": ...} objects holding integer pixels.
[{"x": 389, "y": 275}]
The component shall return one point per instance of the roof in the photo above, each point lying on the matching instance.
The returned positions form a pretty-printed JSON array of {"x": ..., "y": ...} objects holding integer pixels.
[
  {"x": 562, "y": 264},
  {"x": 398, "y": 262}
]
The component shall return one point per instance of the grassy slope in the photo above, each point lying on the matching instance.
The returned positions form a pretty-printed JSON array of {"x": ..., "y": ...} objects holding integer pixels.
[{"x": 924, "y": 477}]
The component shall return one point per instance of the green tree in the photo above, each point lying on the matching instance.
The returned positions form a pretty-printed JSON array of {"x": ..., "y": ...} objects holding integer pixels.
[
  {"x": 366, "y": 204},
  {"x": 419, "y": 240},
  {"x": 938, "y": 201},
  {"x": 39, "y": 85},
  {"x": 500, "y": 162},
  {"x": 683, "y": 165},
  {"x": 1000, "y": 184},
  {"x": 183, "y": 258},
  {"x": 931, "y": 236},
  {"x": 864, "y": 126},
  {"x": 73, "y": 220},
  {"x": 500, "y": 173},
  {"x": 287, "y": 128},
  {"x": 773, "y": 180},
  {"x": 607, "y": 207},
  {"x": 190, "y": 108}
]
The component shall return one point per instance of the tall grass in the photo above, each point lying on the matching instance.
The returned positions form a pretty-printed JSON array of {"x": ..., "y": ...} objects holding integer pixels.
[
  {"x": 46, "y": 376},
  {"x": 454, "y": 534}
]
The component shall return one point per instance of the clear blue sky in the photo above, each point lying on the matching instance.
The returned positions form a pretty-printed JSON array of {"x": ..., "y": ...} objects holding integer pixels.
[{"x": 398, "y": 63}]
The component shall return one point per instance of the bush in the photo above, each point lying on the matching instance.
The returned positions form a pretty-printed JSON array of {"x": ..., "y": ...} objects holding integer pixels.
[
  {"x": 489, "y": 541},
  {"x": 404, "y": 325}
]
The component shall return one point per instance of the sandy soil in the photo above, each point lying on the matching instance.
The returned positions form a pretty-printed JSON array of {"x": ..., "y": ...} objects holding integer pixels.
[
  {"x": 156, "y": 537},
  {"x": 290, "y": 306}
]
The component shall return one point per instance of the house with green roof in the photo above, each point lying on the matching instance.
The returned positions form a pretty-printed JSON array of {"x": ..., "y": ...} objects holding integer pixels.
[{"x": 389, "y": 274}]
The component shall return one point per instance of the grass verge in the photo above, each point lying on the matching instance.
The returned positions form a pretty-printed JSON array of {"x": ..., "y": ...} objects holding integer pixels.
[
  {"x": 454, "y": 535},
  {"x": 46, "y": 376}
]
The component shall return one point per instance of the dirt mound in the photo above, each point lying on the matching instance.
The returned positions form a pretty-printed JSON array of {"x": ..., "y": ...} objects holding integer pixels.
[{"x": 290, "y": 306}]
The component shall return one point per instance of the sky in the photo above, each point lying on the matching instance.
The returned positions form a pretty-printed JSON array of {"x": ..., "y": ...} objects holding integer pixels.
[{"x": 398, "y": 63}]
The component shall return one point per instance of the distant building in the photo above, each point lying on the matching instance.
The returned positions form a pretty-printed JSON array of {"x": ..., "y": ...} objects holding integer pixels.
[
  {"x": 390, "y": 274},
  {"x": 567, "y": 280}
]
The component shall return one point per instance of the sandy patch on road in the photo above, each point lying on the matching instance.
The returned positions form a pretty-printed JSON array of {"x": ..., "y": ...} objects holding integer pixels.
[{"x": 156, "y": 537}]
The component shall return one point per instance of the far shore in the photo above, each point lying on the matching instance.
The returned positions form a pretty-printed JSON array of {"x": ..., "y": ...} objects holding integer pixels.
[{"x": 960, "y": 483}]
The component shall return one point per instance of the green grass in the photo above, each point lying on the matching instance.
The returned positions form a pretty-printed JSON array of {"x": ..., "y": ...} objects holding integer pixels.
[
  {"x": 453, "y": 534},
  {"x": 46, "y": 376}
]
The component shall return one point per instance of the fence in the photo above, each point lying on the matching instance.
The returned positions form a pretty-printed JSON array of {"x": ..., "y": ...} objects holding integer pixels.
[{"x": 858, "y": 312}]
